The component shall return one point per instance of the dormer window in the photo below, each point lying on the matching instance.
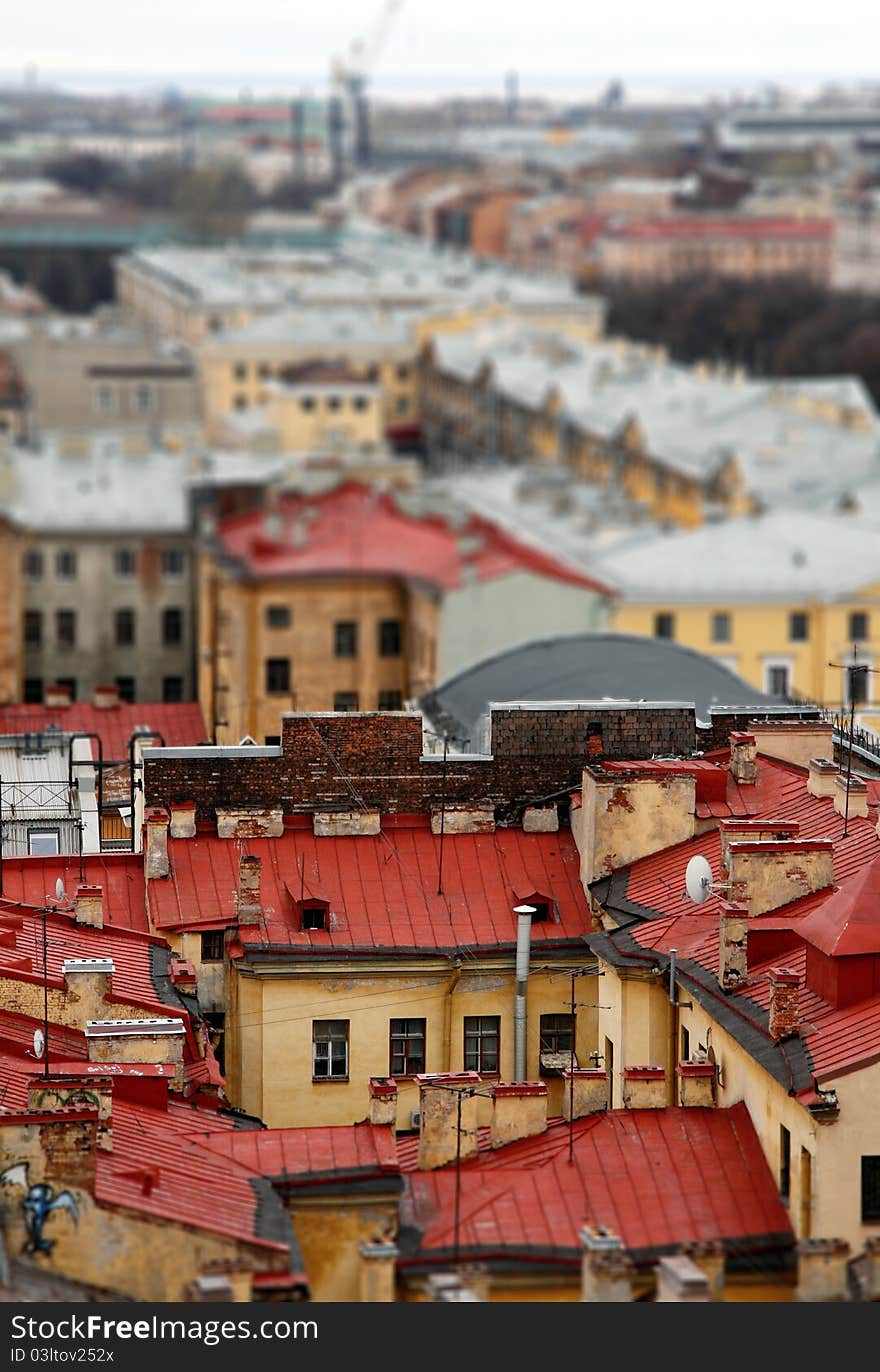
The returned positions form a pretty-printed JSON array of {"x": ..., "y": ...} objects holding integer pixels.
[
  {"x": 314, "y": 914},
  {"x": 542, "y": 910}
]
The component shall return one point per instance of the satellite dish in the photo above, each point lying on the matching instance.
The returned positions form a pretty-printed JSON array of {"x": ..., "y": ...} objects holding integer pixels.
[
  {"x": 698, "y": 879},
  {"x": 60, "y": 893},
  {"x": 39, "y": 1043}
]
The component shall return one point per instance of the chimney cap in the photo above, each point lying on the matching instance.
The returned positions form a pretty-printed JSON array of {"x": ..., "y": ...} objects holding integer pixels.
[
  {"x": 649, "y": 1073},
  {"x": 519, "y": 1088},
  {"x": 784, "y": 976},
  {"x": 382, "y": 1086},
  {"x": 695, "y": 1067},
  {"x": 156, "y": 814},
  {"x": 87, "y": 965}
]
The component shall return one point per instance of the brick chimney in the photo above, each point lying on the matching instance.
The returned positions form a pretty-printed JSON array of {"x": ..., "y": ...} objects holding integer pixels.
[
  {"x": 247, "y": 896},
  {"x": 56, "y": 695},
  {"x": 440, "y": 1140},
  {"x": 857, "y": 808},
  {"x": 708, "y": 1256},
  {"x": 183, "y": 819},
  {"x": 89, "y": 906},
  {"x": 821, "y": 776},
  {"x": 784, "y": 1014},
  {"x": 383, "y": 1101},
  {"x": 607, "y": 1272},
  {"x": 105, "y": 697},
  {"x": 733, "y": 934},
  {"x": 55, "y": 1094},
  {"x": 90, "y": 981},
  {"x": 156, "y": 847},
  {"x": 644, "y": 1088},
  {"x": 377, "y": 1270},
  {"x": 679, "y": 1279},
  {"x": 138, "y": 1041},
  {"x": 822, "y": 1269},
  {"x": 696, "y": 1082},
  {"x": 766, "y": 874},
  {"x": 584, "y": 1091},
  {"x": 519, "y": 1110},
  {"x": 743, "y": 755}
]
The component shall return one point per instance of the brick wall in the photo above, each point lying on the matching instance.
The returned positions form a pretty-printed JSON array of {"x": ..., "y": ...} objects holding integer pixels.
[
  {"x": 724, "y": 722},
  {"x": 537, "y": 753}
]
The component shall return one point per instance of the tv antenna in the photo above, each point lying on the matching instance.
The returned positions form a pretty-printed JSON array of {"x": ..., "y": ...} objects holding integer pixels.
[{"x": 857, "y": 679}]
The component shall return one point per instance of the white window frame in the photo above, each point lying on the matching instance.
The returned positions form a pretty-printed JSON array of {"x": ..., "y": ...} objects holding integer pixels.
[
  {"x": 44, "y": 834},
  {"x": 105, "y": 393},
  {"x": 769, "y": 664},
  {"x": 323, "y": 1051}
]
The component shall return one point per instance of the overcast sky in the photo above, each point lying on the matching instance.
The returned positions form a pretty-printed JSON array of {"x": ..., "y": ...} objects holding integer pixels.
[{"x": 569, "y": 47}]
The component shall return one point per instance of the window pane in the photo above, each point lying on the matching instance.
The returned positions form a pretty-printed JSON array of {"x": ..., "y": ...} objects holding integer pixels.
[{"x": 345, "y": 638}]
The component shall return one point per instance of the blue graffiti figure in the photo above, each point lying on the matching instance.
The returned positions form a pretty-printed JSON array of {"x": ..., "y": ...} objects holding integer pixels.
[{"x": 39, "y": 1203}]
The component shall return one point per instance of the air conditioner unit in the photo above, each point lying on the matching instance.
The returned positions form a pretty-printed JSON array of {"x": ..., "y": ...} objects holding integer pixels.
[{"x": 415, "y": 1119}]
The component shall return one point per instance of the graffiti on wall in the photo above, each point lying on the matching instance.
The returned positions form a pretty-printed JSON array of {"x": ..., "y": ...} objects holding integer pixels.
[{"x": 39, "y": 1203}]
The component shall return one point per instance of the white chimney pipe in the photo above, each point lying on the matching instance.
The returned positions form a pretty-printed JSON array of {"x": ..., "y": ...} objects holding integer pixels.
[{"x": 523, "y": 947}]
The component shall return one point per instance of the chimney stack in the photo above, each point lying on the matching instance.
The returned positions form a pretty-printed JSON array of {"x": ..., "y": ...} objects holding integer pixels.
[
  {"x": 765, "y": 874},
  {"x": 248, "y": 899},
  {"x": 708, "y": 1256},
  {"x": 644, "y": 1088},
  {"x": 743, "y": 755},
  {"x": 183, "y": 819},
  {"x": 822, "y": 1270},
  {"x": 607, "y": 1271},
  {"x": 696, "y": 1082},
  {"x": 383, "y": 1101},
  {"x": 679, "y": 1280},
  {"x": 857, "y": 806},
  {"x": 733, "y": 962},
  {"x": 441, "y": 1096},
  {"x": 821, "y": 776},
  {"x": 89, "y": 906},
  {"x": 105, "y": 697},
  {"x": 519, "y": 1111},
  {"x": 56, "y": 695},
  {"x": 377, "y": 1272},
  {"x": 784, "y": 1014},
  {"x": 156, "y": 859},
  {"x": 584, "y": 1091}
]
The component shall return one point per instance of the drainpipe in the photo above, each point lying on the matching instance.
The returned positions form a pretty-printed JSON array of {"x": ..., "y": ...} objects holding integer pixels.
[
  {"x": 523, "y": 946},
  {"x": 447, "y": 1015}
]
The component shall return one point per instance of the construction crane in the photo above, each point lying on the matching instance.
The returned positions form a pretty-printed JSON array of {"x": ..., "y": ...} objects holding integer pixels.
[{"x": 349, "y": 76}]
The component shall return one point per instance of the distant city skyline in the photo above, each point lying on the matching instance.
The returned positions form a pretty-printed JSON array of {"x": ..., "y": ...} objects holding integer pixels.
[{"x": 560, "y": 49}]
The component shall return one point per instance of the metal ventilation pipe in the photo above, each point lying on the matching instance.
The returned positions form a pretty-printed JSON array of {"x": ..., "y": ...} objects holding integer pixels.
[{"x": 523, "y": 947}]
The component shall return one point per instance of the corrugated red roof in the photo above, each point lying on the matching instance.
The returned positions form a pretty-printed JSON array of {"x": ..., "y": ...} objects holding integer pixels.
[
  {"x": 658, "y": 1178},
  {"x": 381, "y": 891},
  {"x": 713, "y": 226},
  {"x": 161, "y": 1166},
  {"x": 839, "y": 920},
  {"x": 353, "y": 529},
  {"x": 31, "y": 880},
  {"x": 847, "y": 923},
  {"x": 299, "y": 1156},
  {"x": 779, "y": 794},
  {"x": 181, "y": 725}
]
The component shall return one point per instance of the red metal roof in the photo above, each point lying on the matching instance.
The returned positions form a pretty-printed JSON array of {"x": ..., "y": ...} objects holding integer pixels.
[
  {"x": 839, "y": 921},
  {"x": 300, "y": 1155},
  {"x": 31, "y": 880},
  {"x": 160, "y": 1165},
  {"x": 658, "y": 1178},
  {"x": 381, "y": 891},
  {"x": 779, "y": 794},
  {"x": 847, "y": 922},
  {"x": 181, "y": 725},
  {"x": 712, "y": 226},
  {"x": 353, "y": 529}
]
